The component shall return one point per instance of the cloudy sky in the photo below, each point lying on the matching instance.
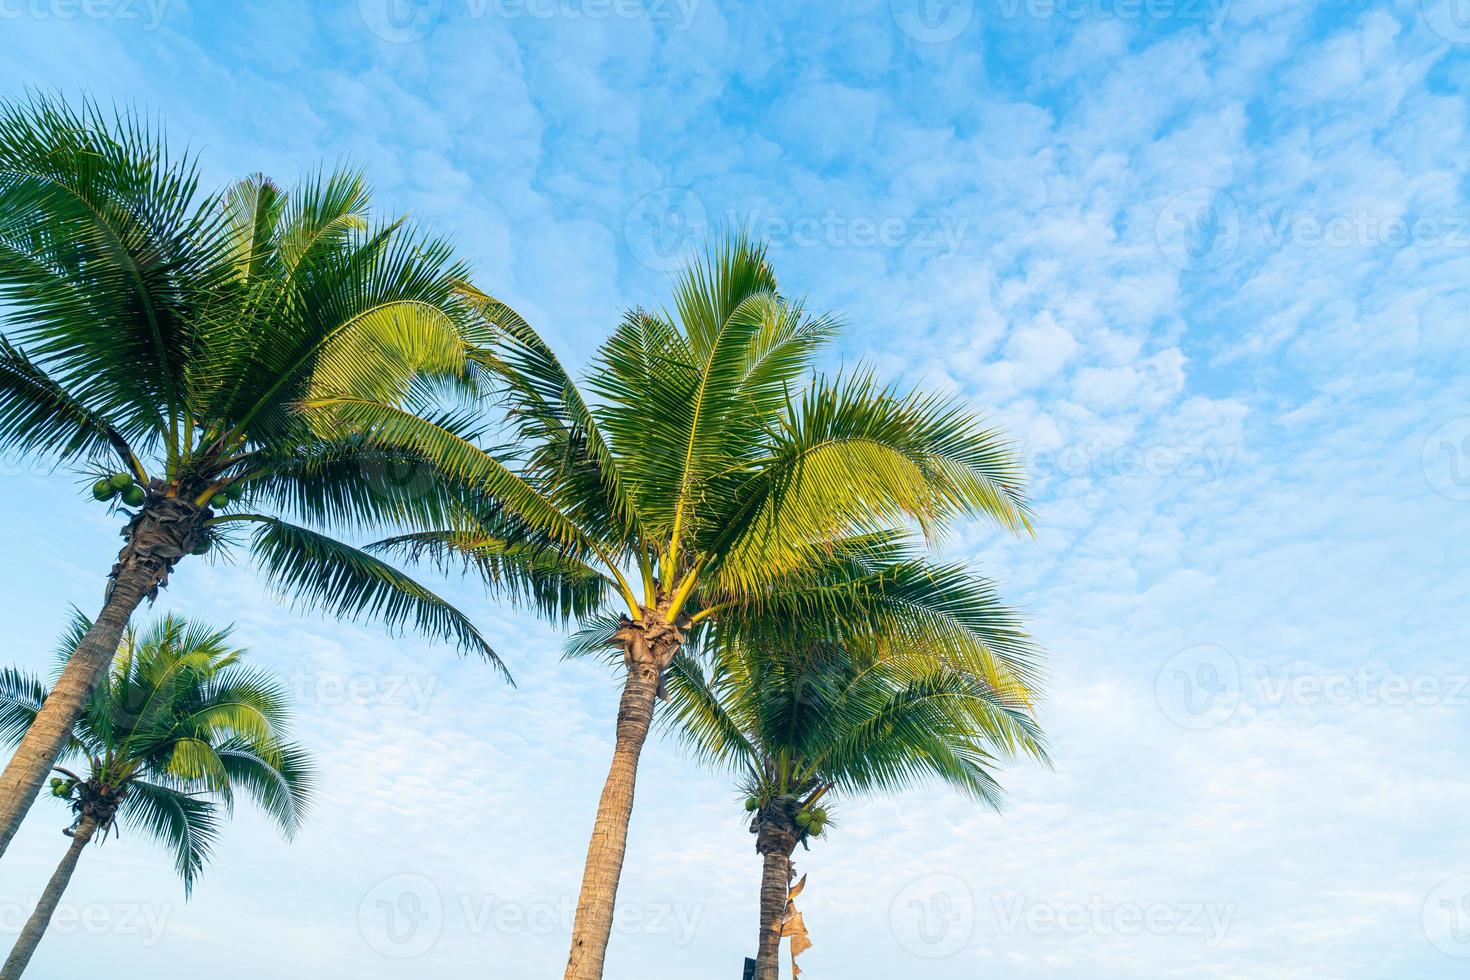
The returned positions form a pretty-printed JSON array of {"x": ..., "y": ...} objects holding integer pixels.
[{"x": 1207, "y": 260}]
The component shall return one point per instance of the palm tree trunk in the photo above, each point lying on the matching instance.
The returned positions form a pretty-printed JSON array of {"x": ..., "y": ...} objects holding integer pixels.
[
  {"x": 775, "y": 886},
  {"x": 86, "y": 668},
  {"x": 35, "y": 928},
  {"x": 593, "y": 924}
]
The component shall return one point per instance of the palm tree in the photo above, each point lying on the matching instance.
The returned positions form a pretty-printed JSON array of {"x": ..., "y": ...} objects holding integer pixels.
[
  {"x": 853, "y": 717},
  {"x": 174, "y": 339},
  {"x": 702, "y": 481},
  {"x": 180, "y": 725}
]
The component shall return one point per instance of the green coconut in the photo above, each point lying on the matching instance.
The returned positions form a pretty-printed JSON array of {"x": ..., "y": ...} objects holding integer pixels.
[
  {"x": 120, "y": 480},
  {"x": 134, "y": 495},
  {"x": 804, "y": 818},
  {"x": 102, "y": 490},
  {"x": 820, "y": 814},
  {"x": 752, "y": 804}
]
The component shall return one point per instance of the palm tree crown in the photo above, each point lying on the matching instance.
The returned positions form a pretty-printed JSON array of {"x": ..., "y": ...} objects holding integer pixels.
[
  {"x": 705, "y": 481},
  {"x": 849, "y": 718},
  {"x": 175, "y": 348},
  {"x": 174, "y": 337},
  {"x": 180, "y": 726}
]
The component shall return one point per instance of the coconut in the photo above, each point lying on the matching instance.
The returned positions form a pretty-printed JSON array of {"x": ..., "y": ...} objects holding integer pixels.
[
  {"x": 134, "y": 495},
  {"x": 752, "y": 804},
  {"x": 102, "y": 490},
  {"x": 120, "y": 481}
]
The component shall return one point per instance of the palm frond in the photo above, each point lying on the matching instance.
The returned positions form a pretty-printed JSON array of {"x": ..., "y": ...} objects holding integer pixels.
[
  {"x": 555, "y": 583},
  {"x": 281, "y": 782},
  {"x": 182, "y": 822},
  {"x": 319, "y": 572}
]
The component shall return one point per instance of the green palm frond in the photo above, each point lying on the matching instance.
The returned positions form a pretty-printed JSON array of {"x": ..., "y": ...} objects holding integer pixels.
[
  {"x": 456, "y": 459},
  {"x": 37, "y": 413},
  {"x": 181, "y": 332},
  {"x": 556, "y": 584},
  {"x": 878, "y": 586},
  {"x": 180, "y": 725},
  {"x": 852, "y": 456},
  {"x": 854, "y": 723},
  {"x": 182, "y": 822},
  {"x": 322, "y": 573},
  {"x": 21, "y": 697},
  {"x": 550, "y": 413},
  {"x": 100, "y": 255},
  {"x": 280, "y": 780}
]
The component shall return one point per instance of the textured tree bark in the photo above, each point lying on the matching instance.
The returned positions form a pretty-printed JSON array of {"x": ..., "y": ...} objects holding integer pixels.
[
  {"x": 38, "y": 751},
  {"x": 35, "y": 927},
  {"x": 775, "y": 885},
  {"x": 593, "y": 924}
]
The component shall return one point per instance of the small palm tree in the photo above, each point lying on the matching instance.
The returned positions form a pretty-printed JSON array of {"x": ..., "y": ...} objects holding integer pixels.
[
  {"x": 178, "y": 728},
  {"x": 848, "y": 718},
  {"x": 703, "y": 483},
  {"x": 164, "y": 344}
]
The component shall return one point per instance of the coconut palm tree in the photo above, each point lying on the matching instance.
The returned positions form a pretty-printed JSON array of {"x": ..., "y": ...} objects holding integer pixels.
[
  {"x": 701, "y": 480},
  {"x": 847, "y": 717},
  {"x": 163, "y": 344},
  {"x": 178, "y": 728}
]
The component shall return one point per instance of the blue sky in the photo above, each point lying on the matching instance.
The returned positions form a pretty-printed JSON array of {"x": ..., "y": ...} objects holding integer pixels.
[{"x": 1208, "y": 260}]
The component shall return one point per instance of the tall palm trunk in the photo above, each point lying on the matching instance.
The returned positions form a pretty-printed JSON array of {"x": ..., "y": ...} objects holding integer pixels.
[
  {"x": 775, "y": 886},
  {"x": 35, "y": 928},
  {"x": 593, "y": 924},
  {"x": 85, "y": 669}
]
